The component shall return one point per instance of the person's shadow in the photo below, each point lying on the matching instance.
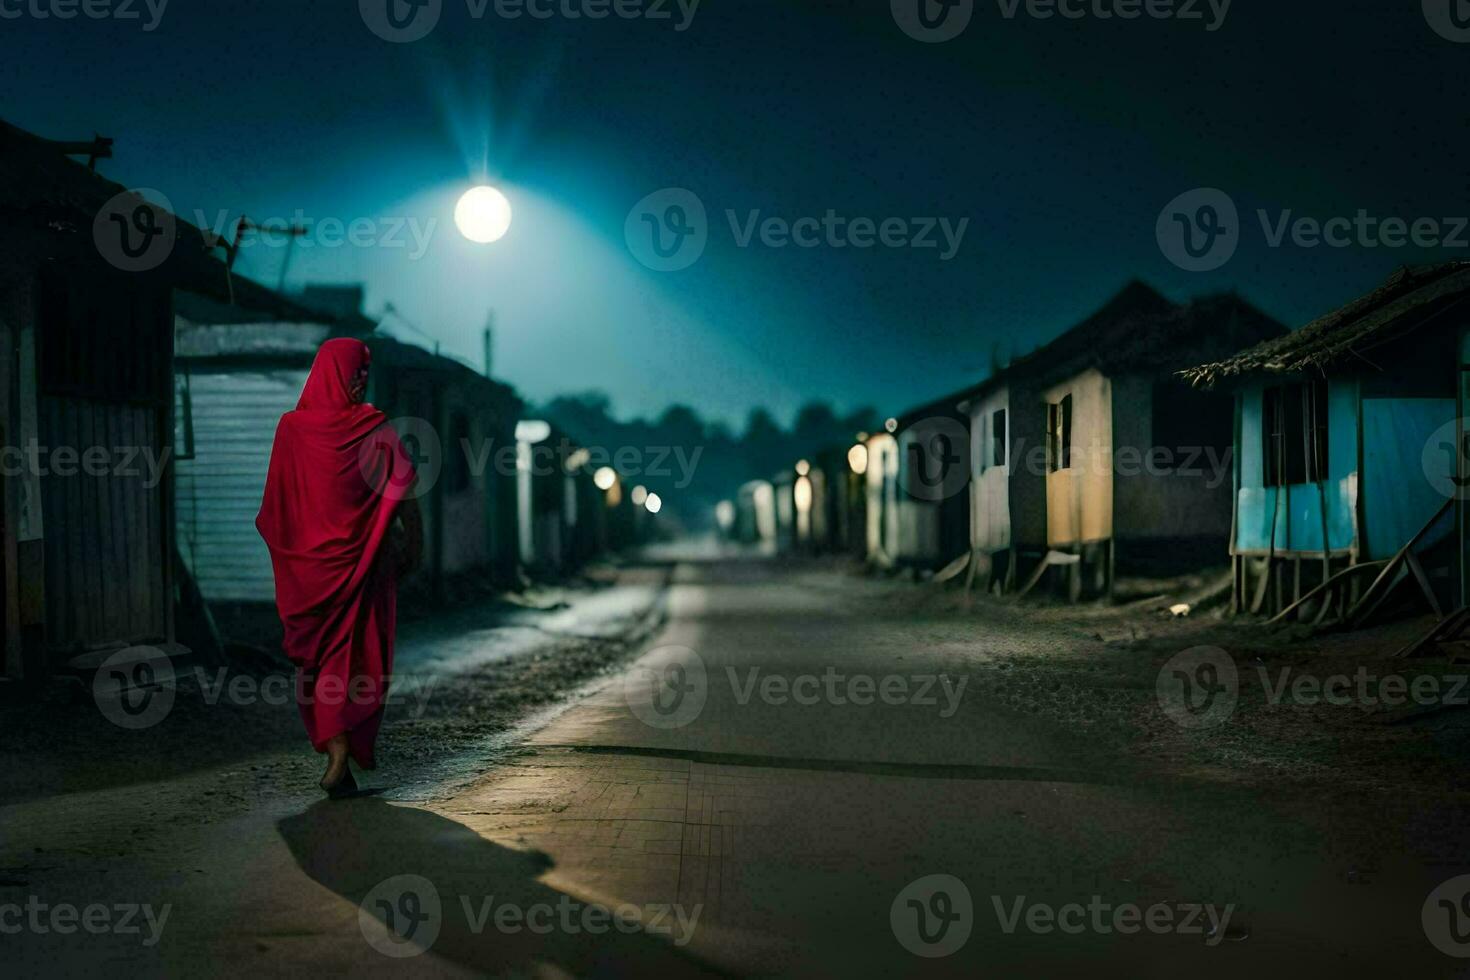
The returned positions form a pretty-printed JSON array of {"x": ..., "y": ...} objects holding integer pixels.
[{"x": 426, "y": 881}]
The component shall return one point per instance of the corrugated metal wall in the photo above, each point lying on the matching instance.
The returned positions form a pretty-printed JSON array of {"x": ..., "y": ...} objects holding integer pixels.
[
  {"x": 105, "y": 562},
  {"x": 104, "y": 345},
  {"x": 219, "y": 490}
]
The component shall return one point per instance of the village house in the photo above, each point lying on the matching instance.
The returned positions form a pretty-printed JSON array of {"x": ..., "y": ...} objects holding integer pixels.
[
  {"x": 1132, "y": 462},
  {"x": 241, "y": 366},
  {"x": 561, "y": 514},
  {"x": 932, "y": 505},
  {"x": 755, "y": 515},
  {"x": 1349, "y": 453},
  {"x": 1086, "y": 456},
  {"x": 882, "y": 498},
  {"x": 88, "y": 274}
]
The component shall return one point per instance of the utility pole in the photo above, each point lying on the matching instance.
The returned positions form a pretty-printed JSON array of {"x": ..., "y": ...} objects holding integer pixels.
[{"x": 490, "y": 345}]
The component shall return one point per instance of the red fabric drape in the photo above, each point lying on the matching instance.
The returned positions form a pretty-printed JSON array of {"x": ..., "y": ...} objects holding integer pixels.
[{"x": 337, "y": 473}]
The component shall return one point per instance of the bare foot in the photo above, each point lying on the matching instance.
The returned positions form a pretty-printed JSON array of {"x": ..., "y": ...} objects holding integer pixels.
[{"x": 337, "y": 768}]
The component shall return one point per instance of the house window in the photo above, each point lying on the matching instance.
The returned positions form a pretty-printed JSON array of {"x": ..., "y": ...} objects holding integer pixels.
[
  {"x": 998, "y": 437},
  {"x": 1059, "y": 435},
  {"x": 183, "y": 415},
  {"x": 1294, "y": 433}
]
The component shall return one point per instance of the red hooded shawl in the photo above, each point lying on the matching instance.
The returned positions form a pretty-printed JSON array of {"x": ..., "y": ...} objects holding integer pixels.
[{"x": 337, "y": 473}]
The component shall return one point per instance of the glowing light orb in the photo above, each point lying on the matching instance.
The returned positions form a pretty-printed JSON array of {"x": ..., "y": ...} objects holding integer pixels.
[
  {"x": 857, "y": 459},
  {"x": 483, "y": 215},
  {"x": 654, "y": 503},
  {"x": 640, "y": 495},
  {"x": 605, "y": 478}
]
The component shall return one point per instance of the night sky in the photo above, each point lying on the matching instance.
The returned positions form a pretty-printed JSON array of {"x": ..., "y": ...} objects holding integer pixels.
[{"x": 1059, "y": 140}]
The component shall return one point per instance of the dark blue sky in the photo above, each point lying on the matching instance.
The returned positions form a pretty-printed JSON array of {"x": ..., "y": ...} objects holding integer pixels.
[{"x": 1059, "y": 140}]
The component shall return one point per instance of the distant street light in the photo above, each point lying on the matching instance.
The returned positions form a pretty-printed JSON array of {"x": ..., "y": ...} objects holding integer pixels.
[
  {"x": 654, "y": 503},
  {"x": 640, "y": 495},
  {"x": 483, "y": 215},
  {"x": 533, "y": 430},
  {"x": 605, "y": 478}
]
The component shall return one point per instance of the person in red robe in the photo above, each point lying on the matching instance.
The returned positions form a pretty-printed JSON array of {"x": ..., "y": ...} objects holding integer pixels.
[{"x": 341, "y": 524}]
